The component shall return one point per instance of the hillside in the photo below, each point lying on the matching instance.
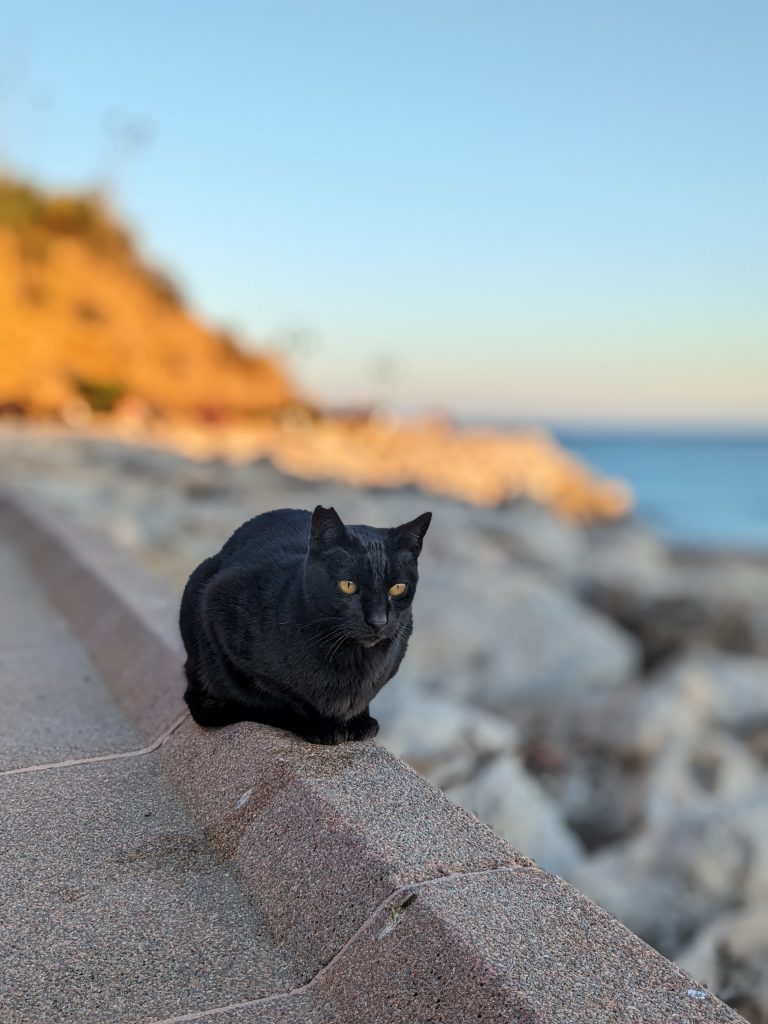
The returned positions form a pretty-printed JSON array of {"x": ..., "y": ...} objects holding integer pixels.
[
  {"x": 84, "y": 321},
  {"x": 93, "y": 338}
]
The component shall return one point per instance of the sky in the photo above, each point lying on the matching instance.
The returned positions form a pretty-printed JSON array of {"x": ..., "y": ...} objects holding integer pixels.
[{"x": 541, "y": 211}]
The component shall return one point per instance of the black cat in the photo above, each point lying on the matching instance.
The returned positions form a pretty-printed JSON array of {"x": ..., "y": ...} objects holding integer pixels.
[{"x": 299, "y": 621}]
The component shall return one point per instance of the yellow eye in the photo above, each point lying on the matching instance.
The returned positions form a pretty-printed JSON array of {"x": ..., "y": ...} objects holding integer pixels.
[
  {"x": 398, "y": 589},
  {"x": 348, "y": 586}
]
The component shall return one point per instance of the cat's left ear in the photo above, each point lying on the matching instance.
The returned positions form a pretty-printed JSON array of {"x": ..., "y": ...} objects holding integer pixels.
[
  {"x": 410, "y": 536},
  {"x": 327, "y": 529}
]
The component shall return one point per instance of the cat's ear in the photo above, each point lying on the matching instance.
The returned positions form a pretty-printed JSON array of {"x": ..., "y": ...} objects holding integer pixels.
[
  {"x": 410, "y": 536},
  {"x": 327, "y": 530}
]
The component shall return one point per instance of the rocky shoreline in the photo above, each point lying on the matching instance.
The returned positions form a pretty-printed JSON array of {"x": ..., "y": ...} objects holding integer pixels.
[{"x": 598, "y": 699}]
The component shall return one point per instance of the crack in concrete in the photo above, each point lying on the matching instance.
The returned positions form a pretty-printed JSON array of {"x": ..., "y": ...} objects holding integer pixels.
[
  {"x": 72, "y": 762},
  {"x": 406, "y": 894}
]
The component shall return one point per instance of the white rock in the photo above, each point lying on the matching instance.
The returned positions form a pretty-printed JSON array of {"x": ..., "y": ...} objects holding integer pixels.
[
  {"x": 532, "y": 534},
  {"x": 502, "y": 634},
  {"x": 748, "y": 820},
  {"x": 739, "y": 691},
  {"x": 730, "y": 957},
  {"x": 674, "y": 707},
  {"x": 672, "y": 880},
  {"x": 504, "y": 796},
  {"x": 712, "y": 769},
  {"x": 665, "y": 884},
  {"x": 626, "y": 555},
  {"x": 441, "y": 738}
]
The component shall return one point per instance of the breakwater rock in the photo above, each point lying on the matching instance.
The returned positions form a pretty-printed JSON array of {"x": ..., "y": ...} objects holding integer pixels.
[{"x": 600, "y": 701}]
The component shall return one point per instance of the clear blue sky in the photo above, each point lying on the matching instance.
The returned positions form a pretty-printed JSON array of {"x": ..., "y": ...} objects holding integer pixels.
[{"x": 532, "y": 209}]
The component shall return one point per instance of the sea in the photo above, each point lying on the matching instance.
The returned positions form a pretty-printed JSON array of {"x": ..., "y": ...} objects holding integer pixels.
[{"x": 697, "y": 490}]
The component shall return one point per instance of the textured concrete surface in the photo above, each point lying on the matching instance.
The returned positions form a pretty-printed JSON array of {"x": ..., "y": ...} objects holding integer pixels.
[
  {"x": 509, "y": 946},
  {"x": 54, "y": 703},
  {"x": 242, "y": 875},
  {"x": 324, "y": 834},
  {"x": 114, "y": 906},
  {"x": 524, "y": 946},
  {"x": 126, "y": 621}
]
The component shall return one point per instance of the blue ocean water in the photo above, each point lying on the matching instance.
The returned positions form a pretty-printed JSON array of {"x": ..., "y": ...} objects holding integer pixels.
[{"x": 700, "y": 490}]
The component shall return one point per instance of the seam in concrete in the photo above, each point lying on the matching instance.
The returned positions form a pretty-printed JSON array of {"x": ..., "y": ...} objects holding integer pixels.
[
  {"x": 402, "y": 892},
  {"x": 72, "y": 762}
]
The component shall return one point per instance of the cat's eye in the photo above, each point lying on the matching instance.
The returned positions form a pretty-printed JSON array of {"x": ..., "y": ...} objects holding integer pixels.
[
  {"x": 398, "y": 589},
  {"x": 348, "y": 586}
]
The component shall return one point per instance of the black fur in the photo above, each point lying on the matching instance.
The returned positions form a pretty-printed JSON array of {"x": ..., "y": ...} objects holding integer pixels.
[{"x": 270, "y": 637}]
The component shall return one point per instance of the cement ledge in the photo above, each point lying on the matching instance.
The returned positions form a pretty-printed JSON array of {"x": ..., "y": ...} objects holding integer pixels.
[
  {"x": 125, "y": 619},
  {"x": 396, "y": 904}
]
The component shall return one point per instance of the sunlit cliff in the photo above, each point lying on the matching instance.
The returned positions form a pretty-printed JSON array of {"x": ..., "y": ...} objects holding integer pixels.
[
  {"x": 84, "y": 320},
  {"x": 92, "y": 338}
]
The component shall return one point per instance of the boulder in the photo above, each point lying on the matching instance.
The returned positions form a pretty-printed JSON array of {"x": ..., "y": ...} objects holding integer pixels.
[
  {"x": 702, "y": 691},
  {"x": 532, "y": 535},
  {"x": 627, "y": 556},
  {"x": 505, "y": 636},
  {"x": 442, "y": 738},
  {"x": 507, "y": 798},
  {"x": 730, "y": 957},
  {"x": 664, "y": 624},
  {"x": 671, "y": 604},
  {"x": 739, "y": 692},
  {"x": 600, "y": 798},
  {"x": 713, "y": 770},
  {"x": 666, "y": 884},
  {"x": 672, "y": 880}
]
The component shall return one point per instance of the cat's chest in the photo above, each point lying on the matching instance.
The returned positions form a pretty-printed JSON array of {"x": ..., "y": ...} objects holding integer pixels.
[
  {"x": 360, "y": 669},
  {"x": 350, "y": 687}
]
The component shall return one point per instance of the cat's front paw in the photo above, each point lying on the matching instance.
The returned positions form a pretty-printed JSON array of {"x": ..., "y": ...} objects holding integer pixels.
[
  {"x": 362, "y": 728},
  {"x": 327, "y": 736}
]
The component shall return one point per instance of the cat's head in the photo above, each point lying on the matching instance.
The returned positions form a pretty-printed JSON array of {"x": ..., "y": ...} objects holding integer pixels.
[{"x": 362, "y": 578}]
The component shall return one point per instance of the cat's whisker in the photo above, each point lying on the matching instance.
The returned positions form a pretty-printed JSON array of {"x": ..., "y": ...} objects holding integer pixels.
[
  {"x": 332, "y": 636},
  {"x": 306, "y": 625},
  {"x": 345, "y": 636},
  {"x": 328, "y": 637},
  {"x": 337, "y": 636}
]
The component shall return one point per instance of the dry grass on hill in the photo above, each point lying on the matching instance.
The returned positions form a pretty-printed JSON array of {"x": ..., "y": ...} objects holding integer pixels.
[{"x": 84, "y": 320}]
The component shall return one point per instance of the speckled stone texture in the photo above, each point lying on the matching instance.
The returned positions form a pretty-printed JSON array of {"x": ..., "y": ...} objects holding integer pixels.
[
  {"x": 115, "y": 909},
  {"x": 126, "y": 620},
  {"x": 54, "y": 703},
  {"x": 510, "y": 946},
  {"x": 324, "y": 834},
  {"x": 245, "y": 876},
  {"x": 516, "y": 945}
]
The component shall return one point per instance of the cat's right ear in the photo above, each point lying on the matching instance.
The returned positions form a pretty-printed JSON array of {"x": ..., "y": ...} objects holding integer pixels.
[
  {"x": 327, "y": 530},
  {"x": 410, "y": 536}
]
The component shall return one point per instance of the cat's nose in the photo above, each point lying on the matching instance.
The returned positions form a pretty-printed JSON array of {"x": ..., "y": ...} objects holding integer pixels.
[{"x": 376, "y": 620}]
